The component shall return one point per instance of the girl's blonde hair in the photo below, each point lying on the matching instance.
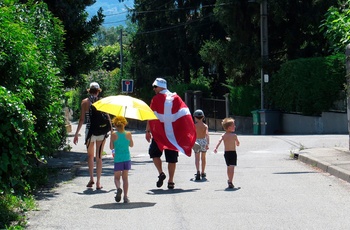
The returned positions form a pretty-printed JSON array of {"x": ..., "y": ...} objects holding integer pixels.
[
  {"x": 119, "y": 121},
  {"x": 227, "y": 122}
]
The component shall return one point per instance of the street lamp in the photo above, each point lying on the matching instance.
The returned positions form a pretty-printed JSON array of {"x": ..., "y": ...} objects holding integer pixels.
[{"x": 264, "y": 46}]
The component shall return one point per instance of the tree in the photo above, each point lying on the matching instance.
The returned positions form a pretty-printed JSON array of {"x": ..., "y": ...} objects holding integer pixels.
[
  {"x": 78, "y": 38},
  {"x": 107, "y": 36},
  {"x": 169, "y": 38},
  {"x": 336, "y": 26}
]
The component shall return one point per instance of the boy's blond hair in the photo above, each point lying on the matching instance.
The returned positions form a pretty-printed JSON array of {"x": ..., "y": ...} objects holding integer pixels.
[
  {"x": 227, "y": 122},
  {"x": 119, "y": 121}
]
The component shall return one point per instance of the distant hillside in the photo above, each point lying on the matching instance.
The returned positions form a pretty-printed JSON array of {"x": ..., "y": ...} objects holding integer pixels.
[{"x": 114, "y": 10}]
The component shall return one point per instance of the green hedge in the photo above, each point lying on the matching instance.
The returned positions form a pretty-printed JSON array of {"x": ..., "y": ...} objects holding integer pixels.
[
  {"x": 308, "y": 86},
  {"x": 31, "y": 96},
  {"x": 244, "y": 99}
]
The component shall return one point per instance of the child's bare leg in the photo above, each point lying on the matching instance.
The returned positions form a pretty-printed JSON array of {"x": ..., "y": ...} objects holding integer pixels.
[
  {"x": 125, "y": 182},
  {"x": 204, "y": 161},
  {"x": 117, "y": 179},
  {"x": 230, "y": 173},
  {"x": 196, "y": 158}
]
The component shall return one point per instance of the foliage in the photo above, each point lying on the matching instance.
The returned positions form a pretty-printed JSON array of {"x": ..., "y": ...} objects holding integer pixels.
[
  {"x": 110, "y": 83},
  {"x": 309, "y": 86},
  {"x": 12, "y": 209},
  {"x": 168, "y": 39},
  {"x": 18, "y": 137},
  {"x": 31, "y": 96},
  {"x": 110, "y": 56},
  {"x": 336, "y": 26},
  {"x": 178, "y": 38},
  {"x": 107, "y": 36},
  {"x": 78, "y": 38},
  {"x": 243, "y": 99}
]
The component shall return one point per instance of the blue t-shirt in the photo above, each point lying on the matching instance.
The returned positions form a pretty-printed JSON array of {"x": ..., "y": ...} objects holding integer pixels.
[{"x": 121, "y": 148}]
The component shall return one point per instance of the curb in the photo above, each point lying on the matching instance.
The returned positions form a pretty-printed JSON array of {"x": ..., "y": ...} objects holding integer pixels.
[{"x": 326, "y": 167}]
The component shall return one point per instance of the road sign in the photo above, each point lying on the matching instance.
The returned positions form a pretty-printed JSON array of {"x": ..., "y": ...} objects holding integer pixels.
[{"x": 127, "y": 85}]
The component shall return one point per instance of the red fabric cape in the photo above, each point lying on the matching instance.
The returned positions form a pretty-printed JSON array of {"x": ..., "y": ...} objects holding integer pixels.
[{"x": 174, "y": 128}]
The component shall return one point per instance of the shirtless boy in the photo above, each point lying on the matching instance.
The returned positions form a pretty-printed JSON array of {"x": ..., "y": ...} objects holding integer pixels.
[
  {"x": 230, "y": 140},
  {"x": 202, "y": 142}
]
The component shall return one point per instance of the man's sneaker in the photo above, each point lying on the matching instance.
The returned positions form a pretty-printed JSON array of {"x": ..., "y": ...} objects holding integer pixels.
[
  {"x": 161, "y": 178},
  {"x": 203, "y": 175},
  {"x": 118, "y": 195},
  {"x": 126, "y": 200},
  {"x": 198, "y": 176}
]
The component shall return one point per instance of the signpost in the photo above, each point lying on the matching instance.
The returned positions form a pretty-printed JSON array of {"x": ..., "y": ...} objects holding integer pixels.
[{"x": 127, "y": 85}]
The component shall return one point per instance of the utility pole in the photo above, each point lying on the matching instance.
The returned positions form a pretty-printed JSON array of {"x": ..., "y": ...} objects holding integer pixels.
[
  {"x": 264, "y": 46},
  {"x": 347, "y": 54},
  {"x": 121, "y": 52}
]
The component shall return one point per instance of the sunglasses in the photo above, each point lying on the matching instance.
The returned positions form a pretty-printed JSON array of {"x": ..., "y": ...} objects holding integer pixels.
[{"x": 154, "y": 87}]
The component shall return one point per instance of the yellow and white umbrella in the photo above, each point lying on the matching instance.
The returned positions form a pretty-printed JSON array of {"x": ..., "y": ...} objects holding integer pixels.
[{"x": 126, "y": 106}]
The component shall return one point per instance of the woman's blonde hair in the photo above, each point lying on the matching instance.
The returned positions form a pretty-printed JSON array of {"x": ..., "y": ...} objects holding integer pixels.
[{"x": 119, "y": 121}]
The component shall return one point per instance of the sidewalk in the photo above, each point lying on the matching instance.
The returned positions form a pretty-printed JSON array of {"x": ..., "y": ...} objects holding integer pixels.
[{"x": 335, "y": 161}]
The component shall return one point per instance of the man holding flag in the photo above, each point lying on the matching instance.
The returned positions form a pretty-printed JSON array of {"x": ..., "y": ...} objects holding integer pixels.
[{"x": 173, "y": 132}]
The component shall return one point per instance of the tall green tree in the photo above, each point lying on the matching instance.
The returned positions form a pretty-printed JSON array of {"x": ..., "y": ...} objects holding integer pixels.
[
  {"x": 336, "y": 26},
  {"x": 292, "y": 33},
  {"x": 78, "y": 38},
  {"x": 169, "y": 37}
]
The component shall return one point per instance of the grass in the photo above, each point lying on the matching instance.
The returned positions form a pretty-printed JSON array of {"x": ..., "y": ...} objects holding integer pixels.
[
  {"x": 293, "y": 153},
  {"x": 15, "y": 206},
  {"x": 13, "y": 209}
]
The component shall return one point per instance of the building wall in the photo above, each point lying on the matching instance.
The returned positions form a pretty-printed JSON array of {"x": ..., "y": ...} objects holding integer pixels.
[{"x": 327, "y": 123}]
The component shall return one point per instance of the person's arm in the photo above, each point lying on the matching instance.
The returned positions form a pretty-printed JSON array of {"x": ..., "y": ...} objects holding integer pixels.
[
  {"x": 112, "y": 139},
  {"x": 237, "y": 141},
  {"x": 148, "y": 135},
  {"x": 217, "y": 146},
  {"x": 207, "y": 137},
  {"x": 81, "y": 119},
  {"x": 131, "y": 144}
]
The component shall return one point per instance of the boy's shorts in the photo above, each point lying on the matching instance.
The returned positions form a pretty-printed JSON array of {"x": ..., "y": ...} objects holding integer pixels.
[
  {"x": 121, "y": 166},
  {"x": 170, "y": 155},
  {"x": 200, "y": 145},
  {"x": 230, "y": 158}
]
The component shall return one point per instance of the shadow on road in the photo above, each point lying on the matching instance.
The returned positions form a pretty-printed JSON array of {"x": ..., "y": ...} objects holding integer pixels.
[
  {"x": 131, "y": 205},
  {"x": 291, "y": 173},
  {"x": 91, "y": 191},
  {"x": 169, "y": 191},
  {"x": 229, "y": 189}
]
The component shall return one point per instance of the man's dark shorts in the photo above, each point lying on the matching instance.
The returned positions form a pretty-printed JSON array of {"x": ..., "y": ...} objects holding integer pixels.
[
  {"x": 230, "y": 158},
  {"x": 170, "y": 155}
]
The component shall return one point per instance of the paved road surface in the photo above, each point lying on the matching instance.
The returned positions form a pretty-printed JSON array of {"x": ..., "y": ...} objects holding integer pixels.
[{"x": 272, "y": 191}]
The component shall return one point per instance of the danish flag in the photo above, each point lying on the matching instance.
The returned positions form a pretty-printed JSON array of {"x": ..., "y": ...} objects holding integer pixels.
[{"x": 174, "y": 128}]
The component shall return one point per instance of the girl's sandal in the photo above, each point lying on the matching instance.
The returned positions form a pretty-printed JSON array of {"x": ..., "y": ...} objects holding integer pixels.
[{"x": 90, "y": 184}]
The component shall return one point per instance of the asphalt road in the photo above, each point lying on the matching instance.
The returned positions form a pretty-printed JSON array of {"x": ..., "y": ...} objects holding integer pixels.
[{"x": 273, "y": 191}]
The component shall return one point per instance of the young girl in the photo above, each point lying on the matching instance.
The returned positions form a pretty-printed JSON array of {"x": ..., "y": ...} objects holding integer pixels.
[
  {"x": 230, "y": 142},
  {"x": 120, "y": 141}
]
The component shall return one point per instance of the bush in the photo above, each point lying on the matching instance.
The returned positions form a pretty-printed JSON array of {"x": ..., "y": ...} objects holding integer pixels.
[
  {"x": 243, "y": 99},
  {"x": 31, "y": 98},
  {"x": 18, "y": 140},
  {"x": 309, "y": 86}
]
